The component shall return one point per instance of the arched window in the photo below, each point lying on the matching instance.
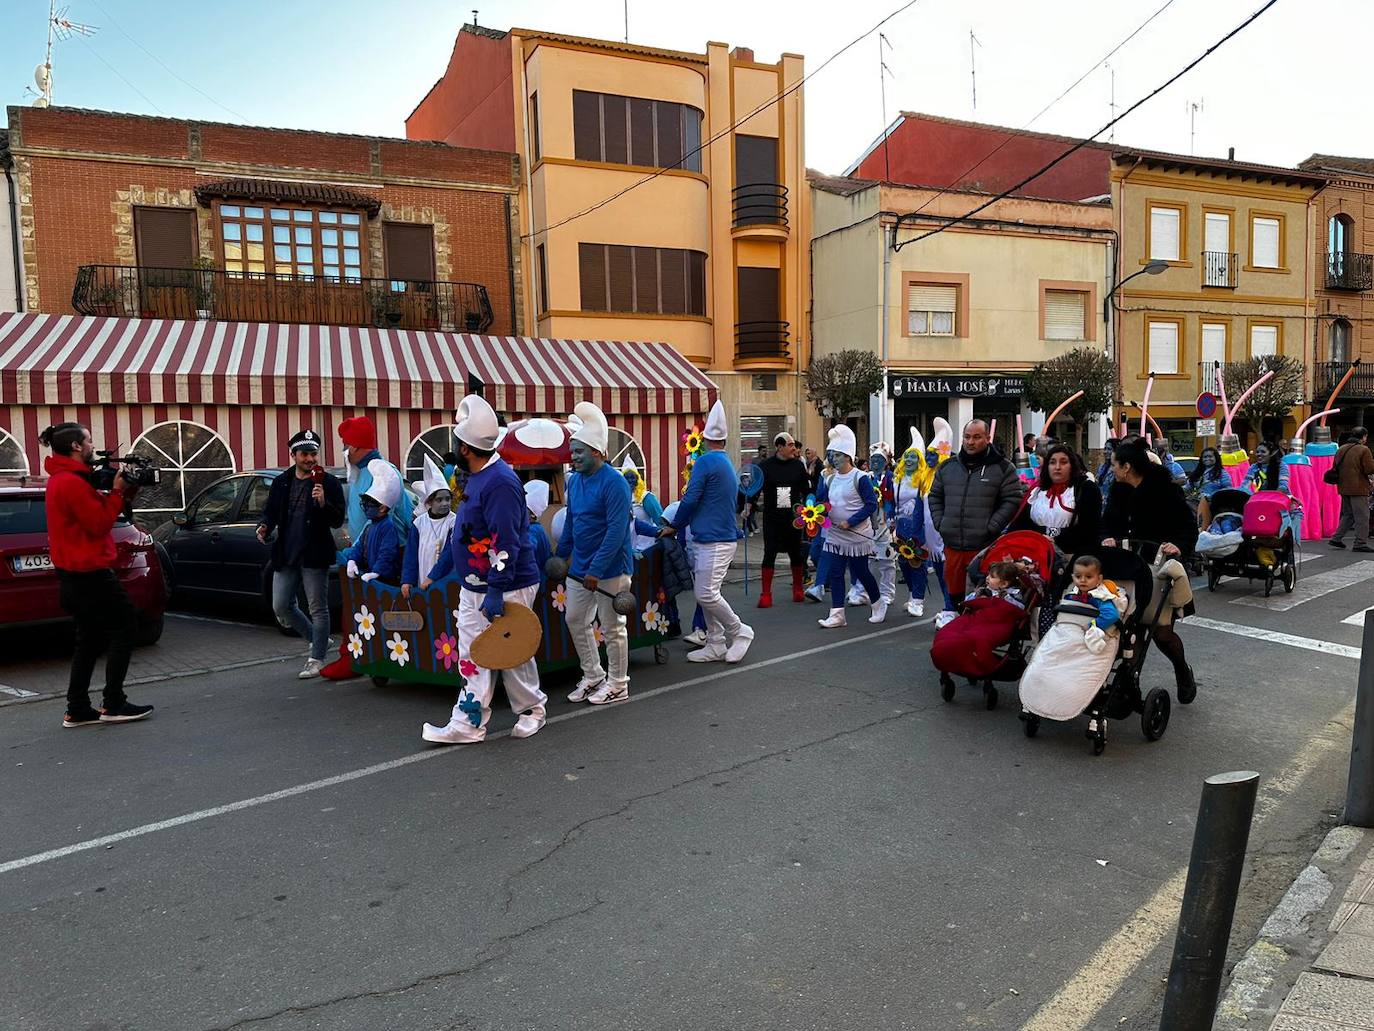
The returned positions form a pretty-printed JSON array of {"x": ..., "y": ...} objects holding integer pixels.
[
  {"x": 13, "y": 461},
  {"x": 433, "y": 444},
  {"x": 1339, "y": 350},
  {"x": 191, "y": 457},
  {"x": 619, "y": 445},
  {"x": 1340, "y": 232}
]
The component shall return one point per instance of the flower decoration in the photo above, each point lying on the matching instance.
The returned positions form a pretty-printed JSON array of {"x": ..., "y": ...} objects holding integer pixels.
[
  {"x": 598, "y": 633},
  {"x": 911, "y": 552},
  {"x": 693, "y": 441},
  {"x": 355, "y": 646},
  {"x": 468, "y": 668},
  {"x": 560, "y": 597},
  {"x": 446, "y": 650},
  {"x": 662, "y": 596},
  {"x": 498, "y": 559},
  {"x": 482, "y": 546},
  {"x": 367, "y": 623},
  {"x": 470, "y": 707},
  {"x": 480, "y": 550},
  {"x": 651, "y": 616},
  {"x": 399, "y": 648},
  {"x": 812, "y": 516}
]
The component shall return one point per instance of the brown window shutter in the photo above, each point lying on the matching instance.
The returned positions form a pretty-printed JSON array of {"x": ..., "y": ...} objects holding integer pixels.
[
  {"x": 696, "y": 283},
  {"x": 756, "y": 160},
  {"x": 409, "y": 251},
  {"x": 673, "y": 280},
  {"x": 646, "y": 279},
  {"x": 758, "y": 295},
  {"x": 591, "y": 269},
  {"x": 669, "y": 135},
  {"x": 620, "y": 275},
  {"x": 543, "y": 280},
  {"x": 615, "y": 128},
  {"x": 642, "y": 132},
  {"x": 586, "y": 125},
  {"x": 166, "y": 237},
  {"x": 534, "y": 124}
]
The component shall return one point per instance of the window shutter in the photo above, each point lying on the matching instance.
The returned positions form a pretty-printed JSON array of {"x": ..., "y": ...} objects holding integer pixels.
[
  {"x": 409, "y": 251},
  {"x": 620, "y": 277},
  {"x": 642, "y": 133},
  {"x": 166, "y": 237},
  {"x": 591, "y": 270},
  {"x": 1163, "y": 347},
  {"x": 586, "y": 125},
  {"x": 646, "y": 279},
  {"x": 1213, "y": 342},
  {"x": 669, "y": 117},
  {"x": 673, "y": 281},
  {"x": 923, "y": 297},
  {"x": 1265, "y": 242},
  {"x": 534, "y": 125},
  {"x": 1064, "y": 315},
  {"x": 691, "y": 138},
  {"x": 758, "y": 295},
  {"x": 756, "y": 160},
  {"x": 615, "y": 128},
  {"x": 1217, "y": 230},
  {"x": 1264, "y": 340},
  {"x": 696, "y": 283},
  {"x": 1164, "y": 234},
  {"x": 543, "y": 280}
]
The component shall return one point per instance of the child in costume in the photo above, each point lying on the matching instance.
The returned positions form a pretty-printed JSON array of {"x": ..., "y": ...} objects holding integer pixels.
[
  {"x": 646, "y": 514},
  {"x": 429, "y": 530},
  {"x": 919, "y": 547},
  {"x": 884, "y": 560},
  {"x": 536, "y": 502},
  {"x": 376, "y": 554}
]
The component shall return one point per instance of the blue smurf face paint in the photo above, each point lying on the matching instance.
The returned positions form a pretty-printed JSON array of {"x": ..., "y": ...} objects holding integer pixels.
[
  {"x": 371, "y": 509},
  {"x": 877, "y": 462},
  {"x": 584, "y": 458}
]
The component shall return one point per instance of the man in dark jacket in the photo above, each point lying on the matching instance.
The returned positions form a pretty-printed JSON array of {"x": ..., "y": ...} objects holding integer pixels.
[
  {"x": 304, "y": 506},
  {"x": 785, "y": 485},
  {"x": 974, "y": 497},
  {"x": 1354, "y": 466}
]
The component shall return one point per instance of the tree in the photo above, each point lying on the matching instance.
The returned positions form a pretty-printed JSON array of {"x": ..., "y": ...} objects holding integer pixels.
[
  {"x": 1276, "y": 397},
  {"x": 840, "y": 383},
  {"x": 1083, "y": 368}
]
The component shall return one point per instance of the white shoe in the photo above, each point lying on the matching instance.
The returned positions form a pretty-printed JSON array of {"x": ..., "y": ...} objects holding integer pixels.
[
  {"x": 879, "y": 612},
  {"x": 456, "y": 733},
  {"x": 835, "y": 619},
  {"x": 707, "y": 654},
  {"x": 915, "y": 608},
  {"x": 944, "y": 618},
  {"x": 814, "y": 593},
  {"x": 529, "y": 723},
  {"x": 608, "y": 692},
  {"x": 585, "y": 687},
  {"x": 312, "y": 669},
  {"x": 740, "y": 644},
  {"x": 696, "y": 637},
  {"x": 859, "y": 597}
]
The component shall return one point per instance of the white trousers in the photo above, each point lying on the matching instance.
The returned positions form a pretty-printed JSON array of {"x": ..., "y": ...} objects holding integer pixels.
[
  {"x": 522, "y": 682},
  {"x": 885, "y": 572},
  {"x": 710, "y": 563},
  {"x": 587, "y": 607}
]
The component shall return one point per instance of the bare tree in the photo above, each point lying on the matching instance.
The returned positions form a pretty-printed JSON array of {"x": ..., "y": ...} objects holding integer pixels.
[
  {"x": 1083, "y": 368},
  {"x": 840, "y": 383},
  {"x": 1275, "y": 398}
]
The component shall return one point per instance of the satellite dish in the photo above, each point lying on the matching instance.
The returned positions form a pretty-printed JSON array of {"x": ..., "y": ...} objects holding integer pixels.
[
  {"x": 42, "y": 77},
  {"x": 41, "y": 102}
]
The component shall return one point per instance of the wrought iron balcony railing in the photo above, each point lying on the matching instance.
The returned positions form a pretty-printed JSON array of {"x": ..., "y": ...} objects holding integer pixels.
[
  {"x": 1207, "y": 377},
  {"x": 1325, "y": 376},
  {"x": 760, "y": 204},
  {"x": 759, "y": 340},
  {"x": 193, "y": 293},
  {"x": 1346, "y": 270},
  {"x": 1219, "y": 268}
]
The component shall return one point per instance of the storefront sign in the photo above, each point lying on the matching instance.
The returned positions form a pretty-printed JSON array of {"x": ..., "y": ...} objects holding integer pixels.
[{"x": 955, "y": 386}]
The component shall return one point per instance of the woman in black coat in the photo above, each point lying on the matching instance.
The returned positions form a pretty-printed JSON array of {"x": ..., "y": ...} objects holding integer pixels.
[
  {"x": 1146, "y": 505},
  {"x": 1065, "y": 504}
]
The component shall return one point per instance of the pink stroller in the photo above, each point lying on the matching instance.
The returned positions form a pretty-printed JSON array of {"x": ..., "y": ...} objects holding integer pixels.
[{"x": 1269, "y": 529}]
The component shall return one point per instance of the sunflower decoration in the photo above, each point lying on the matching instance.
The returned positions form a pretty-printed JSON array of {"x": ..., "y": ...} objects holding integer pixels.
[
  {"x": 812, "y": 515},
  {"x": 693, "y": 442},
  {"x": 913, "y": 553}
]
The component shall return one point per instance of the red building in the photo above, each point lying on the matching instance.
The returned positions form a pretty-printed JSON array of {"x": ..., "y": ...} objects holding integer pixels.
[{"x": 926, "y": 150}]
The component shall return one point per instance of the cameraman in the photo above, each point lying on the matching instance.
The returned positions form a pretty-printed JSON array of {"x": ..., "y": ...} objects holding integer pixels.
[{"x": 80, "y": 519}]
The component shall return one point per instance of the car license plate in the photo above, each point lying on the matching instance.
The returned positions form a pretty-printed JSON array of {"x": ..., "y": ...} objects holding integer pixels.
[{"x": 31, "y": 563}]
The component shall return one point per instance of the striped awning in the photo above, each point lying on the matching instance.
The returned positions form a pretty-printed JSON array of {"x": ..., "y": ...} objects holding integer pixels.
[{"x": 73, "y": 359}]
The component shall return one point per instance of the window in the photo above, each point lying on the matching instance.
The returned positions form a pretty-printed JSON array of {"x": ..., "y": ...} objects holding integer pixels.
[
  {"x": 1065, "y": 315},
  {"x": 13, "y": 461},
  {"x": 1266, "y": 241},
  {"x": 1163, "y": 347},
  {"x": 1264, "y": 339},
  {"x": 1214, "y": 335},
  {"x": 433, "y": 444},
  {"x": 619, "y": 446},
  {"x": 216, "y": 504},
  {"x": 191, "y": 457},
  {"x": 409, "y": 253},
  {"x": 20, "y": 514},
  {"x": 760, "y": 299},
  {"x": 165, "y": 237},
  {"x": 1339, "y": 351},
  {"x": 543, "y": 273},
  {"x": 632, "y": 131},
  {"x": 1216, "y": 246},
  {"x": 651, "y": 280},
  {"x": 930, "y": 309},
  {"x": 302, "y": 241},
  {"x": 1339, "y": 232},
  {"x": 255, "y": 502},
  {"x": 1166, "y": 232},
  {"x": 534, "y": 126}
]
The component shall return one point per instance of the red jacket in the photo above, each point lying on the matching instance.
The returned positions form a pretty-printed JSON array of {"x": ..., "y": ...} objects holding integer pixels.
[{"x": 80, "y": 518}]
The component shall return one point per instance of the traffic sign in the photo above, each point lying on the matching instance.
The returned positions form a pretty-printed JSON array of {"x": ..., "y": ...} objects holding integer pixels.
[
  {"x": 1206, "y": 427},
  {"x": 1206, "y": 405}
]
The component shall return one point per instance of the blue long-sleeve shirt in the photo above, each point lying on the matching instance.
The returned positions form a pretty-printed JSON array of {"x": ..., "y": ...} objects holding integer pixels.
[
  {"x": 358, "y": 484},
  {"x": 492, "y": 520},
  {"x": 539, "y": 544},
  {"x": 596, "y": 535},
  {"x": 376, "y": 550},
  {"x": 708, "y": 504}
]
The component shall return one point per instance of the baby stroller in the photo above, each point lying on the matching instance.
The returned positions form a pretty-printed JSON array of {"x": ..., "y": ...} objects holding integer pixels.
[
  {"x": 991, "y": 639},
  {"x": 1061, "y": 691},
  {"x": 1268, "y": 545}
]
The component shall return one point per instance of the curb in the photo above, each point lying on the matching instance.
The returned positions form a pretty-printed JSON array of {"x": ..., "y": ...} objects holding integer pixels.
[{"x": 156, "y": 679}]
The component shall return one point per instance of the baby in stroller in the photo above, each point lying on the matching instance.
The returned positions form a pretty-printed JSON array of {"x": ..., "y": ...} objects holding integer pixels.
[
  {"x": 1004, "y": 581},
  {"x": 1091, "y": 590}
]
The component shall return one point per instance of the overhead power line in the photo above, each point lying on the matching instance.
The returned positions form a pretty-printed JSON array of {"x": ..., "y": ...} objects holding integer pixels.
[{"x": 1089, "y": 139}]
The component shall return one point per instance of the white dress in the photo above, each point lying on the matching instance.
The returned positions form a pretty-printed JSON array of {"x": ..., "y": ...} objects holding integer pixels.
[{"x": 845, "y": 502}]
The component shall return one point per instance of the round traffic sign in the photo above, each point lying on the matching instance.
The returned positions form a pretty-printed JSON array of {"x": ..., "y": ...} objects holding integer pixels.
[{"x": 1206, "y": 405}]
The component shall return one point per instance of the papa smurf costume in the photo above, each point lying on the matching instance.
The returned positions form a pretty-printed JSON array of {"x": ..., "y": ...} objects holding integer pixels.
[
  {"x": 431, "y": 528},
  {"x": 490, "y": 555},
  {"x": 849, "y": 539}
]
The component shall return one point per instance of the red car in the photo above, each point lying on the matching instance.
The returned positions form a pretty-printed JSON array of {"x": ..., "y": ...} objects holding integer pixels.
[{"x": 28, "y": 582}]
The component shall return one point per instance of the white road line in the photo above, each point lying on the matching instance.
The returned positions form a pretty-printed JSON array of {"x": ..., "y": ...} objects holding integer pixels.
[
  {"x": 1357, "y": 619},
  {"x": 1311, "y": 588},
  {"x": 1274, "y": 637},
  {"x": 18, "y": 692},
  {"x": 719, "y": 673}
]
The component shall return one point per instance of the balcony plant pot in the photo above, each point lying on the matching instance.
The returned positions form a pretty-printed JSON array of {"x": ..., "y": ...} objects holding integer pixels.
[{"x": 473, "y": 321}]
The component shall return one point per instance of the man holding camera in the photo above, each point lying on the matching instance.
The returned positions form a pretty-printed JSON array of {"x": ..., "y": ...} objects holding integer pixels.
[
  {"x": 305, "y": 505},
  {"x": 80, "y": 521}
]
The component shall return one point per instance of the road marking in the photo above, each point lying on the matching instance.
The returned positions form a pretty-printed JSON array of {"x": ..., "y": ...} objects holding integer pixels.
[
  {"x": 429, "y": 753},
  {"x": 1357, "y": 619},
  {"x": 1311, "y": 588},
  {"x": 1076, "y": 1006},
  {"x": 18, "y": 692},
  {"x": 1274, "y": 637}
]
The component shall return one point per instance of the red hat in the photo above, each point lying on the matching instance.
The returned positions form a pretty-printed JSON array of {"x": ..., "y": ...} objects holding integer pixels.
[{"x": 358, "y": 432}]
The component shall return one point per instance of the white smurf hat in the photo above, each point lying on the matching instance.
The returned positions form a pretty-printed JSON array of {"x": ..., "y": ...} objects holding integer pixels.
[
  {"x": 386, "y": 484},
  {"x": 591, "y": 429},
  {"x": 918, "y": 442},
  {"x": 536, "y": 496},
  {"x": 432, "y": 483},
  {"x": 943, "y": 440},
  {"x": 841, "y": 439},
  {"x": 716, "y": 426},
  {"x": 477, "y": 424}
]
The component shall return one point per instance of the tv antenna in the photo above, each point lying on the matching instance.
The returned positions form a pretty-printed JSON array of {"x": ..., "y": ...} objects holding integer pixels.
[
  {"x": 883, "y": 72},
  {"x": 1194, "y": 108},
  {"x": 1111, "y": 103},
  {"x": 60, "y": 27},
  {"x": 973, "y": 41}
]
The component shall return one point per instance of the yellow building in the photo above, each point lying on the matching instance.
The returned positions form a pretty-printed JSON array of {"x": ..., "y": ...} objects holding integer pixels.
[
  {"x": 1236, "y": 283},
  {"x": 663, "y": 198},
  {"x": 960, "y": 317}
]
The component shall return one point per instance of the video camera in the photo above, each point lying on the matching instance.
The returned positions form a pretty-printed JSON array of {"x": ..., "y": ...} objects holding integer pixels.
[{"x": 138, "y": 471}]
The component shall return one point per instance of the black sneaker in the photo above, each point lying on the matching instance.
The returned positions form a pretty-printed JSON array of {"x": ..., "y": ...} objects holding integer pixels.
[
  {"x": 80, "y": 719},
  {"x": 1363, "y": 549},
  {"x": 126, "y": 713},
  {"x": 1336, "y": 544}
]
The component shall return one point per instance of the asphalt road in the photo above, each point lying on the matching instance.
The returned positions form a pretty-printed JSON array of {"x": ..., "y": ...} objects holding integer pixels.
[{"x": 810, "y": 840}]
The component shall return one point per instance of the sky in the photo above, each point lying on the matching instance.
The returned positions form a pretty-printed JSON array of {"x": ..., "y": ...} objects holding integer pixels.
[{"x": 1287, "y": 86}]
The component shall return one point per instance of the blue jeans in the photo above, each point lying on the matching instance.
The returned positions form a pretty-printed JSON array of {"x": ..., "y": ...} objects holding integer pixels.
[{"x": 286, "y": 583}]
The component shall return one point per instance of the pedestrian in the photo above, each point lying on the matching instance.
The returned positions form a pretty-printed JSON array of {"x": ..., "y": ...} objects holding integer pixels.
[
  {"x": 597, "y": 539},
  {"x": 1267, "y": 471},
  {"x": 537, "y": 503},
  {"x": 1206, "y": 479},
  {"x": 429, "y": 531},
  {"x": 785, "y": 486},
  {"x": 1104, "y": 471},
  {"x": 490, "y": 556},
  {"x": 1166, "y": 459},
  {"x": 883, "y": 563},
  {"x": 814, "y": 467},
  {"x": 849, "y": 537},
  {"x": 82, "y": 547},
  {"x": 305, "y": 505},
  {"x": 1354, "y": 465},
  {"x": 375, "y": 554},
  {"x": 919, "y": 547},
  {"x": 973, "y": 498},
  {"x": 707, "y": 509},
  {"x": 1065, "y": 504}
]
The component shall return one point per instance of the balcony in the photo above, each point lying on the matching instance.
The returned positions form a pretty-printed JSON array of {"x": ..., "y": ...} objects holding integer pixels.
[
  {"x": 1346, "y": 270},
  {"x": 1325, "y": 376},
  {"x": 1207, "y": 378},
  {"x": 1219, "y": 268},
  {"x": 761, "y": 342},
  {"x": 760, "y": 210},
  {"x": 200, "y": 294}
]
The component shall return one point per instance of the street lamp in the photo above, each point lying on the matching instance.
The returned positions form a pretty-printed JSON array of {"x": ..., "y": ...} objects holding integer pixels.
[{"x": 1152, "y": 268}]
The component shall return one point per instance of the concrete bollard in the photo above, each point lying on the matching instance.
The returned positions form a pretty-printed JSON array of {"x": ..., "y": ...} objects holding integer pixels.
[{"x": 1359, "y": 789}]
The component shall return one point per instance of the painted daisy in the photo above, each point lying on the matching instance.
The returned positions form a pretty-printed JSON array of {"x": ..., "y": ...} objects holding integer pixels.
[
  {"x": 598, "y": 633},
  {"x": 560, "y": 597},
  {"x": 446, "y": 650},
  {"x": 355, "y": 646},
  {"x": 651, "y": 616},
  {"x": 498, "y": 560},
  {"x": 399, "y": 649},
  {"x": 367, "y": 623}
]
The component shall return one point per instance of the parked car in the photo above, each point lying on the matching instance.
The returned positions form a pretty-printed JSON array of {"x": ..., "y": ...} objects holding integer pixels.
[
  {"x": 1189, "y": 462},
  {"x": 29, "y": 594}
]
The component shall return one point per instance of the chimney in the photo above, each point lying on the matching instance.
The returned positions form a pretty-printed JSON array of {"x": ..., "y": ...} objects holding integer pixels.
[
  {"x": 1230, "y": 153},
  {"x": 742, "y": 54}
]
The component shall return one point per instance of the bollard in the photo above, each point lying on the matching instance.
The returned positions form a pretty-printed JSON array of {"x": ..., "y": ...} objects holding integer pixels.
[
  {"x": 1209, "y": 900},
  {"x": 1359, "y": 790}
]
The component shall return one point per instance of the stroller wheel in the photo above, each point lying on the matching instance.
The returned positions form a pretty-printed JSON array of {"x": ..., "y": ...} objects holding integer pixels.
[
  {"x": 946, "y": 687},
  {"x": 1031, "y": 724},
  {"x": 1155, "y": 717},
  {"x": 989, "y": 696},
  {"x": 1290, "y": 578}
]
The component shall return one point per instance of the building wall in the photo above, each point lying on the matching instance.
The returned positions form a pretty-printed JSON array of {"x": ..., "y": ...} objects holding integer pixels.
[
  {"x": 81, "y": 173},
  {"x": 470, "y": 105},
  {"x": 846, "y": 288},
  {"x": 11, "y": 265},
  {"x": 1354, "y": 197}
]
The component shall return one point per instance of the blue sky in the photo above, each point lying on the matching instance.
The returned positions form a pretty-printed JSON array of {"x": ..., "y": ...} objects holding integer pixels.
[{"x": 1288, "y": 86}]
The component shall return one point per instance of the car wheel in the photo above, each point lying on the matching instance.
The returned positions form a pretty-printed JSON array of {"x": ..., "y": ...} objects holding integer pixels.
[{"x": 150, "y": 630}]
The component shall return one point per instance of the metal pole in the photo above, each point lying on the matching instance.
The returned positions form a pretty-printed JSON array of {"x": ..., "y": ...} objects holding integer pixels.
[
  {"x": 1209, "y": 900},
  {"x": 1359, "y": 791}
]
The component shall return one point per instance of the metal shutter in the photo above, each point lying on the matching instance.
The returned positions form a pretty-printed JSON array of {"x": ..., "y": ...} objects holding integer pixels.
[
  {"x": 409, "y": 251},
  {"x": 586, "y": 126},
  {"x": 591, "y": 271},
  {"x": 642, "y": 133},
  {"x": 1264, "y": 241},
  {"x": 696, "y": 283},
  {"x": 1064, "y": 315},
  {"x": 673, "y": 278},
  {"x": 759, "y": 298},
  {"x": 166, "y": 237},
  {"x": 669, "y": 119},
  {"x": 646, "y": 279},
  {"x": 1264, "y": 340},
  {"x": 1164, "y": 234},
  {"x": 620, "y": 278},
  {"x": 1163, "y": 348},
  {"x": 1213, "y": 343},
  {"x": 615, "y": 128}
]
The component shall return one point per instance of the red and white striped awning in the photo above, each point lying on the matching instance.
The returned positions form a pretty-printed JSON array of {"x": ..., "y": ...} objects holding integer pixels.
[{"x": 73, "y": 359}]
